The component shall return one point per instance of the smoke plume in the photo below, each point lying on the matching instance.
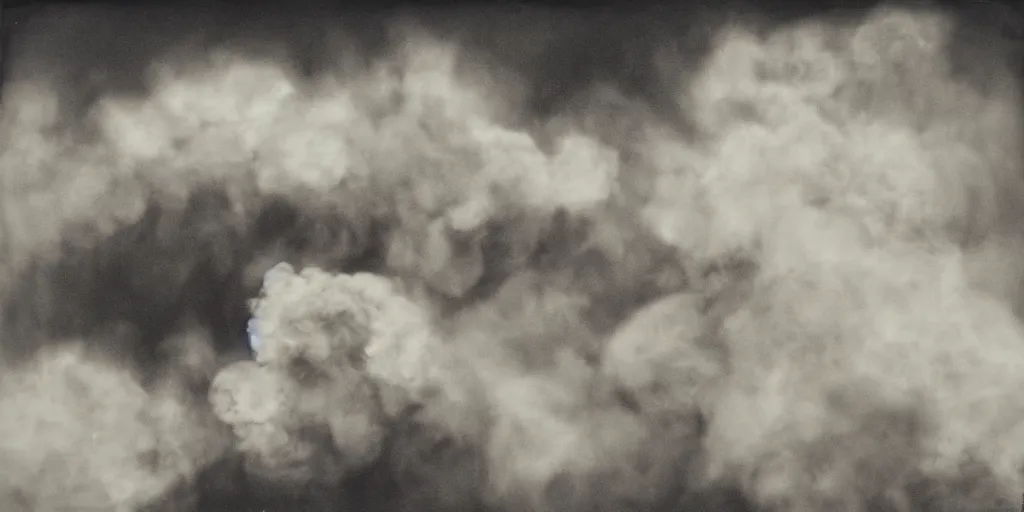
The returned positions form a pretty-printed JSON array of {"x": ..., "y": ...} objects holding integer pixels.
[{"x": 666, "y": 260}]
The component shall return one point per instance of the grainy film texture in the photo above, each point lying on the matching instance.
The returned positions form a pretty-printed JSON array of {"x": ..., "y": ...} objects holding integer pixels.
[{"x": 511, "y": 259}]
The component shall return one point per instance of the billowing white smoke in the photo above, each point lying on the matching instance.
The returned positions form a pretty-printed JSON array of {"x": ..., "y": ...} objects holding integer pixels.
[
  {"x": 343, "y": 353},
  {"x": 845, "y": 214},
  {"x": 863, "y": 178},
  {"x": 79, "y": 433}
]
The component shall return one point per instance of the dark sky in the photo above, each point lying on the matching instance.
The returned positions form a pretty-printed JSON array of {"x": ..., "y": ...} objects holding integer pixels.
[{"x": 558, "y": 47}]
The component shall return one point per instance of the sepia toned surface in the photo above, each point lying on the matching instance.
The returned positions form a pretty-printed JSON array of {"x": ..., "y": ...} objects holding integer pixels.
[{"x": 535, "y": 259}]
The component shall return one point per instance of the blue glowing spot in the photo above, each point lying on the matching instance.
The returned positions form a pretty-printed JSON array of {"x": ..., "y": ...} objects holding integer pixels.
[{"x": 254, "y": 339}]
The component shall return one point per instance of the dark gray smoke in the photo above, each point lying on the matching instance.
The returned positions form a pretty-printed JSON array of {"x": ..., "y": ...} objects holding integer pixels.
[{"x": 534, "y": 259}]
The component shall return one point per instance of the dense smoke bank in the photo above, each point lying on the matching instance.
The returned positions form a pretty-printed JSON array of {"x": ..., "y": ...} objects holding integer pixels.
[{"x": 596, "y": 262}]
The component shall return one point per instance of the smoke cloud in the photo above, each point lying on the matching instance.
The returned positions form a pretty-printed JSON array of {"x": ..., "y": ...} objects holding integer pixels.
[{"x": 703, "y": 260}]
